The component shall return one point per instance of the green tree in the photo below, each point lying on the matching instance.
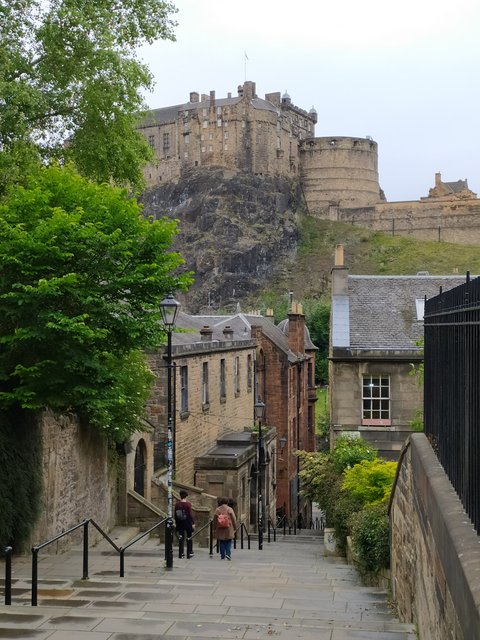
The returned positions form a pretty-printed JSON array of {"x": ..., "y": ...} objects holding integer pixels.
[
  {"x": 317, "y": 318},
  {"x": 71, "y": 82},
  {"x": 81, "y": 277}
]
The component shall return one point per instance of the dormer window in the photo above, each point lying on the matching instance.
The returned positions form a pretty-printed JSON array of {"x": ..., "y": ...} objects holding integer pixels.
[{"x": 420, "y": 306}]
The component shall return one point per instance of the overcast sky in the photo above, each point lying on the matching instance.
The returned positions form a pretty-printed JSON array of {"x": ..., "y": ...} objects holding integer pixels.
[{"x": 406, "y": 74}]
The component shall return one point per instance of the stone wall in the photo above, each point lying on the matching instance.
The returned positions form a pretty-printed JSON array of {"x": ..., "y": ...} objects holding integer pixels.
[
  {"x": 198, "y": 428},
  {"x": 78, "y": 481},
  {"x": 346, "y": 401},
  {"x": 455, "y": 220},
  {"x": 339, "y": 170},
  {"x": 435, "y": 551}
]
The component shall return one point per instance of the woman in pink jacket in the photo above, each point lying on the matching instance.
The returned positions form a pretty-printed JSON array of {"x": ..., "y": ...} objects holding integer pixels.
[{"x": 225, "y": 525}]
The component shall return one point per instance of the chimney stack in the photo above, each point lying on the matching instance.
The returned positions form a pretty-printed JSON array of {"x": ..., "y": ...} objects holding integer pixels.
[{"x": 206, "y": 333}]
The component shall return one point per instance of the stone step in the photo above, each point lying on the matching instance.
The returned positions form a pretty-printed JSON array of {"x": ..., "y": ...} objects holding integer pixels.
[{"x": 288, "y": 591}]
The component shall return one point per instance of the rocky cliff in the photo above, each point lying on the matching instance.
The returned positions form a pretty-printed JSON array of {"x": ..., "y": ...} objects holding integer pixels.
[{"x": 237, "y": 231}]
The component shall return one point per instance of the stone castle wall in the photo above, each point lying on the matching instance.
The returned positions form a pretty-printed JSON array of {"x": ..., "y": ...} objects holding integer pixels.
[
  {"x": 455, "y": 220},
  {"x": 435, "y": 557},
  {"x": 244, "y": 133},
  {"x": 339, "y": 170}
]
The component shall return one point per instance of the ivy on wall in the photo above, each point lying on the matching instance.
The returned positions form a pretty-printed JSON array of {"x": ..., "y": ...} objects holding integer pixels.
[{"x": 21, "y": 485}]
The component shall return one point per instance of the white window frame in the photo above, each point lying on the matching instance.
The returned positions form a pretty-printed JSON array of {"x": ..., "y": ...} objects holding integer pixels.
[{"x": 376, "y": 400}]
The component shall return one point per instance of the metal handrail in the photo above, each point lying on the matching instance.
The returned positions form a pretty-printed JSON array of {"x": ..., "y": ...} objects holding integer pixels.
[
  {"x": 8, "y": 575},
  {"x": 122, "y": 550},
  {"x": 241, "y": 528},
  {"x": 84, "y": 524}
]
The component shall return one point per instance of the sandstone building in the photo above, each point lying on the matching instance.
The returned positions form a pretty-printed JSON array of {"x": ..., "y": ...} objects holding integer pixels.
[
  {"x": 223, "y": 365},
  {"x": 376, "y": 325}
]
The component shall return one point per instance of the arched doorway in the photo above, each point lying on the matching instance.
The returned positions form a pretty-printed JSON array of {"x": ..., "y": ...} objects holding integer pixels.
[{"x": 139, "y": 471}]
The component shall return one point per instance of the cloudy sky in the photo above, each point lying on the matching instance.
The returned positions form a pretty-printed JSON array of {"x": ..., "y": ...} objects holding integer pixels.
[{"x": 406, "y": 74}]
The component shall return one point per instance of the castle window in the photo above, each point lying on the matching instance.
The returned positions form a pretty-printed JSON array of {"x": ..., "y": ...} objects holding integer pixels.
[
  {"x": 219, "y": 122},
  {"x": 186, "y": 138},
  {"x": 219, "y": 109},
  {"x": 203, "y": 149},
  {"x": 225, "y": 147},
  {"x": 205, "y": 124},
  {"x": 278, "y": 143},
  {"x": 151, "y": 141},
  {"x": 166, "y": 141},
  {"x": 185, "y": 155},
  {"x": 204, "y": 112},
  {"x": 249, "y": 373},
  {"x": 210, "y": 137},
  {"x": 225, "y": 135},
  {"x": 210, "y": 148}
]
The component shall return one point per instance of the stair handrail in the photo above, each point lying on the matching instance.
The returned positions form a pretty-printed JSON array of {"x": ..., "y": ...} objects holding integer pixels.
[
  {"x": 84, "y": 524},
  {"x": 142, "y": 535},
  {"x": 8, "y": 575},
  {"x": 242, "y": 528}
]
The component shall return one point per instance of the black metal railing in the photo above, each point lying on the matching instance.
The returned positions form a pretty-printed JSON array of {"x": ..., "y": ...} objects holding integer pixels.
[
  {"x": 122, "y": 550},
  {"x": 452, "y": 383},
  {"x": 85, "y": 556},
  {"x": 243, "y": 533},
  {"x": 8, "y": 575}
]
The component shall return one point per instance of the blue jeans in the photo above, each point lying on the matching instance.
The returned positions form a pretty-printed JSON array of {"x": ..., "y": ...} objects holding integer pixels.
[{"x": 225, "y": 548}]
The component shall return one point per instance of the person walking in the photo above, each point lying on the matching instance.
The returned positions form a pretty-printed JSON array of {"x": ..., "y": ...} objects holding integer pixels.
[
  {"x": 184, "y": 524},
  {"x": 225, "y": 524}
]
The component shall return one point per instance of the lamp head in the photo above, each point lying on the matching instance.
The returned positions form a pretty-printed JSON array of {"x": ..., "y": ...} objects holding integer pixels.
[
  {"x": 259, "y": 410},
  {"x": 169, "y": 308}
]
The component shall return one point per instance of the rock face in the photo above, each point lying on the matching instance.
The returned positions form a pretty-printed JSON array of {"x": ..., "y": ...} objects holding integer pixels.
[{"x": 237, "y": 230}]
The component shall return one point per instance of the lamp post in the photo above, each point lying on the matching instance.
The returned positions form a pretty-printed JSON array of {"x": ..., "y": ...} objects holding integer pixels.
[
  {"x": 169, "y": 308},
  {"x": 259, "y": 409}
]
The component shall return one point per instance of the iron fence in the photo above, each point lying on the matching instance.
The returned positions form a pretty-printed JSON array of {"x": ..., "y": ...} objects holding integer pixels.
[{"x": 452, "y": 389}]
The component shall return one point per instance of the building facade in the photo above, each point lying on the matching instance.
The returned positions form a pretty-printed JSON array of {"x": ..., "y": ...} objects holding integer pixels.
[
  {"x": 242, "y": 132},
  {"x": 375, "y": 333}
]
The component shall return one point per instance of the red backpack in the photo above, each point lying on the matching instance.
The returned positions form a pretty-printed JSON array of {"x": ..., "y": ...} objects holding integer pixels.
[{"x": 223, "y": 520}]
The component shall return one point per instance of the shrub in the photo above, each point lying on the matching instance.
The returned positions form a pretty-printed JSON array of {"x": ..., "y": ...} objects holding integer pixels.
[
  {"x": 370, "y": 481},
  {"x": 351, "y": 451},
  {"x": 370, "y": 537}
]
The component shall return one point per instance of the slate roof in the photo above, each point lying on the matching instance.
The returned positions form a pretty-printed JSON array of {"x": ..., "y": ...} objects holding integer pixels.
[
  {"x": 241, "y": 325},
  {"x": 382, "y": 313},
  {"x": 170, "y": 114}
]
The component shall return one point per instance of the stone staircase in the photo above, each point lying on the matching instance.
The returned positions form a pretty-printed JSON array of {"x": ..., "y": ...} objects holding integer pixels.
[{"x": 290, "y": 590}]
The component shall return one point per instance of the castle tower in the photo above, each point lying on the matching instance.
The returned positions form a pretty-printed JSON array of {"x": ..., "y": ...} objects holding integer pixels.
[{"x": 339, "y": 171}]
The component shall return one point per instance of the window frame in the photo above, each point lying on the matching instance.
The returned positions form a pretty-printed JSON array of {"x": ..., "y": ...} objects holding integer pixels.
[
  {"x": 376, "y": 403},
  {"x": 205, "y": 391},
  {"x": 184, "y": 389}
]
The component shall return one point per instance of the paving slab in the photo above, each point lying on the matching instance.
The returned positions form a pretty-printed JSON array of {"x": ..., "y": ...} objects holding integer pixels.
[{"x": 289, "y": 591}]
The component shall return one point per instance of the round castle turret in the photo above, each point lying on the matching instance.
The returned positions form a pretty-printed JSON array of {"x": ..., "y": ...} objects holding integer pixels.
[{"x": 339, "y": 171}]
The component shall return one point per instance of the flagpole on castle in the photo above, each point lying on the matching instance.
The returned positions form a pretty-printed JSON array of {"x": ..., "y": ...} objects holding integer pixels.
[{"x": 245, "y": 64}]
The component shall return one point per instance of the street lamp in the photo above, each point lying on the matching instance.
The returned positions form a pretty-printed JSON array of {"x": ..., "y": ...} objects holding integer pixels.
[
  {"x": 259, "y": 412},
  {"x": 169, "y": 308}
]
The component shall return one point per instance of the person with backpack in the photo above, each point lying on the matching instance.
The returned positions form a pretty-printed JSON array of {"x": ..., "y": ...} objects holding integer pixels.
[
  {"x": 184, "y": 523},
  {"x": 225, "y": 524}
]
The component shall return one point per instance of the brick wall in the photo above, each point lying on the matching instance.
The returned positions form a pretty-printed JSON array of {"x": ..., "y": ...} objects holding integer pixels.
[{"x": 435, "y": 551}]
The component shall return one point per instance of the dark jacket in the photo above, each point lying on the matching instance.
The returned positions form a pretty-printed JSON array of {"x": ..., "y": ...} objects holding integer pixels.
[
  {"x": 228, "y": 533},
  {"x": 182, "y": 525}
]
